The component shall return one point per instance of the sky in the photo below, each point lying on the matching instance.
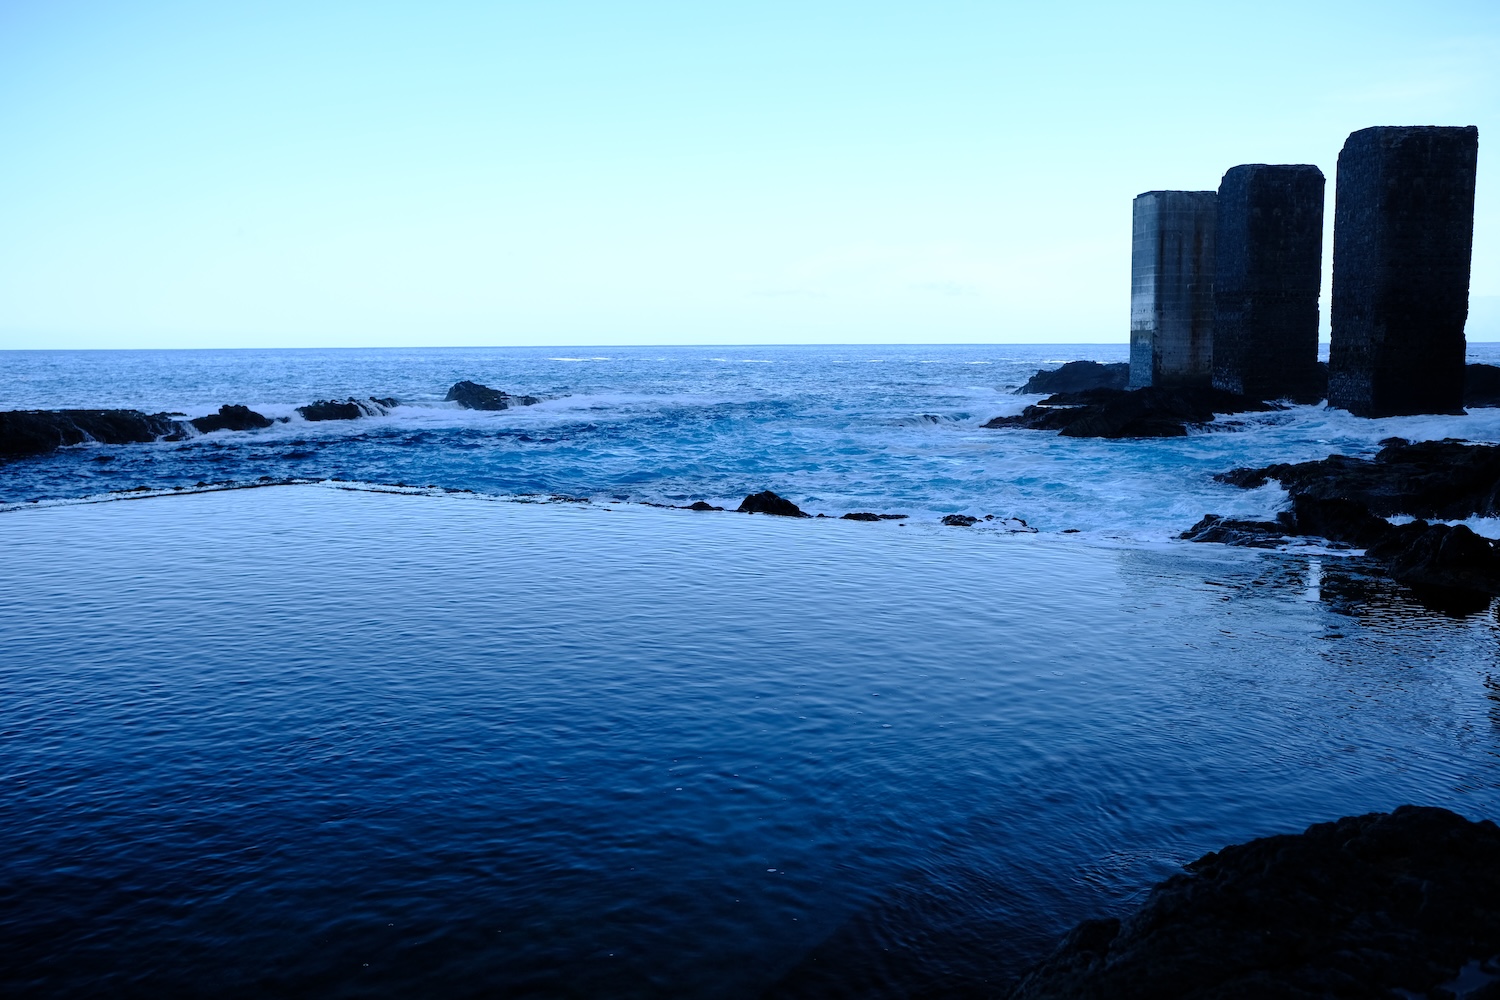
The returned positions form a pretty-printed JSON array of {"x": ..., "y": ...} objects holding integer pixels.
[{"x": 228, "y": 174}]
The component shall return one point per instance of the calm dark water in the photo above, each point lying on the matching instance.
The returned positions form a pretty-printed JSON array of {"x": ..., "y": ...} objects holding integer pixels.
[{"x": 307, "y": 741}]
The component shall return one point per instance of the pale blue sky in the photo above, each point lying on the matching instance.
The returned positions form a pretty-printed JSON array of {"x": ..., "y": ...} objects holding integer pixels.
[{"x": 235, "y": 174}]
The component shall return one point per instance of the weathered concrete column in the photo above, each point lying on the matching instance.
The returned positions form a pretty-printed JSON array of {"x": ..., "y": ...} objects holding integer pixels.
[
  {"x": 1268, "y": 265},
  {"x": 1403, "y": 235},
  {"x": 1172, "y": 288}
]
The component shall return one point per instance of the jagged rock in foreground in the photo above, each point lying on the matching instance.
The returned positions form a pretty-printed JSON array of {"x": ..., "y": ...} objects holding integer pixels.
[
  {"x": 473, "y": 396},
  {"x": 1154, "y": 411},
  {"x": 767, "y": 502},
  {"x": 36, "y": 432},
  {"x": 232, "y": 417},
  {"x": 1446, "y": 479},
  {"x": 348, "y": 409},
  {"x": 1356, "y": 908},
  {"x": 1078, "y": 376}
]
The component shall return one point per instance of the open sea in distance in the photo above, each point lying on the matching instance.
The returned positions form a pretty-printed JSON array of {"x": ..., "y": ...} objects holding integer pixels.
[{"x": 347, "y": 739}]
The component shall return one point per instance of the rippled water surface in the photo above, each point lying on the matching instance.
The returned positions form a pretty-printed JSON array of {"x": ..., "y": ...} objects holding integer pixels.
[{"x": 318, "y": 741}]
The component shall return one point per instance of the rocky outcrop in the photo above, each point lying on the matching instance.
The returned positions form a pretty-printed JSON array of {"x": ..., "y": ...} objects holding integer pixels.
[
  {"x": 1360, "y": 907},
  {"x": 960, "y": 520},
  {"x": 348, "y": 409},
  {"x": 231, "y": 417},
  {"x": 1078, "y": 376},
  {"x": 1154, "y": 411},
  {"x": 767, "y": 502},
  {"x": 1446, "y": 479},
  {"x": 473, "y": 396},
  {"x": 701, "y": 505},
  {"x": 36, "y": 432},
  {"x": 1448, "y": 566},
  {"x": 864, "y": 515}
]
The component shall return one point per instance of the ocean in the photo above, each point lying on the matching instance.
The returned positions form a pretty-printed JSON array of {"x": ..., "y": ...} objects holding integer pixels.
[
  {"x": 835, "y": 429},
  {"x": 510, "y": 730}
]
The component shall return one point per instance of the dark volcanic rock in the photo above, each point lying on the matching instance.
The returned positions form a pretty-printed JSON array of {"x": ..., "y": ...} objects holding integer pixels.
[
  {"x": 1403, "y": 236},
  {"x": 1481, "y": 385},
  {"x": 769, "y": 503},
  {"x": 1441, "y": 479},
  {"x": 473, "y": 396},
  {"x": 35, "y": 432},
  {"x": 1154, "y": 411},
  {"x": 959, "y": 520},
  {"x": 702, "y": 505},
  {"x": 1444, "y": 557},
  {"x": 232, "y": 417},
  {"x": 864, "y": 515},
  {"x": 1355, "y": 908},
  {"x": 1338, "y": 520},
  {"x": 1268, "y": 256},
  {"x": 348, "y": 409},
  {"x": 1078, "y": 376},
  {"x": 1228, "y": 531}
]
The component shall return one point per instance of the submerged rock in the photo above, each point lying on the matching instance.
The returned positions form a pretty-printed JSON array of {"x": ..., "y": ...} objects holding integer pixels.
[
  {"x": 36, "y": 432},
  {"x": 864, "y": 515},
  {"x": 960, "y": 520},
  {"x": 702, "y": 505},
  {"x": 348, "y": 409},
  {"x": 1360, "y": 907},
  {"x": 767, "y": 502},
  {"x": 1078, "y": 376},
  {"x": 232, "y": 417},
  {"x": 1154, "y": 411},
  {"x": 473, "y": 396}
]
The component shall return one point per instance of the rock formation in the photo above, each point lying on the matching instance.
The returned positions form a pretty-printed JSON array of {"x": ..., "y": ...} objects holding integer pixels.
[
  {"x": 232, "y": 417},
  {"x": 348, "y": 409},
  {"x": 1439, "y": 479},
  {"x": 35, "y": 432},
  {"x": 1403, "y": 236},
  {"x": 769, "y": 503},
  {"x": 1268, "y": 258},
  {"x": 1172, "y": 288},
  {"x": 1356, "y": 908},
  {"x": 1114, "y": 413},
  {"x": 1078, "y": 376},
  {"x": 473, "y": 396}
]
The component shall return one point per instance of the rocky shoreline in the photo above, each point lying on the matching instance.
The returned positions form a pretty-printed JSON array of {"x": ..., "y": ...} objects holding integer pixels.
[
  {"x": 24, "y": 433},
  {"x": 1400, "y": 904}
]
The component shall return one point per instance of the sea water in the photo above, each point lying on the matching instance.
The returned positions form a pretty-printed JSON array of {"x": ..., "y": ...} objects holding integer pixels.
[
  {"x": 893, "y": 429},
  {"x": 351, "y": 739}
]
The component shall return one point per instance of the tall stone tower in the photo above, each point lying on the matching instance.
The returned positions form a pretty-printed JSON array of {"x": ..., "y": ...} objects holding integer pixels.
[
  {"x": 1403, "y": 235},
  {"x": 1268, "y": 266},
  {"x": 1172, "y": 288}
]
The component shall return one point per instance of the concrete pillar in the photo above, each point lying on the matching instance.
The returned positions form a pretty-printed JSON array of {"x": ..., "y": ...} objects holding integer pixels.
[
  {"x": 1403, "y": 234},
  {"x": 1268, "y": 265},
  {"x": 1172, "y": 288}
]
